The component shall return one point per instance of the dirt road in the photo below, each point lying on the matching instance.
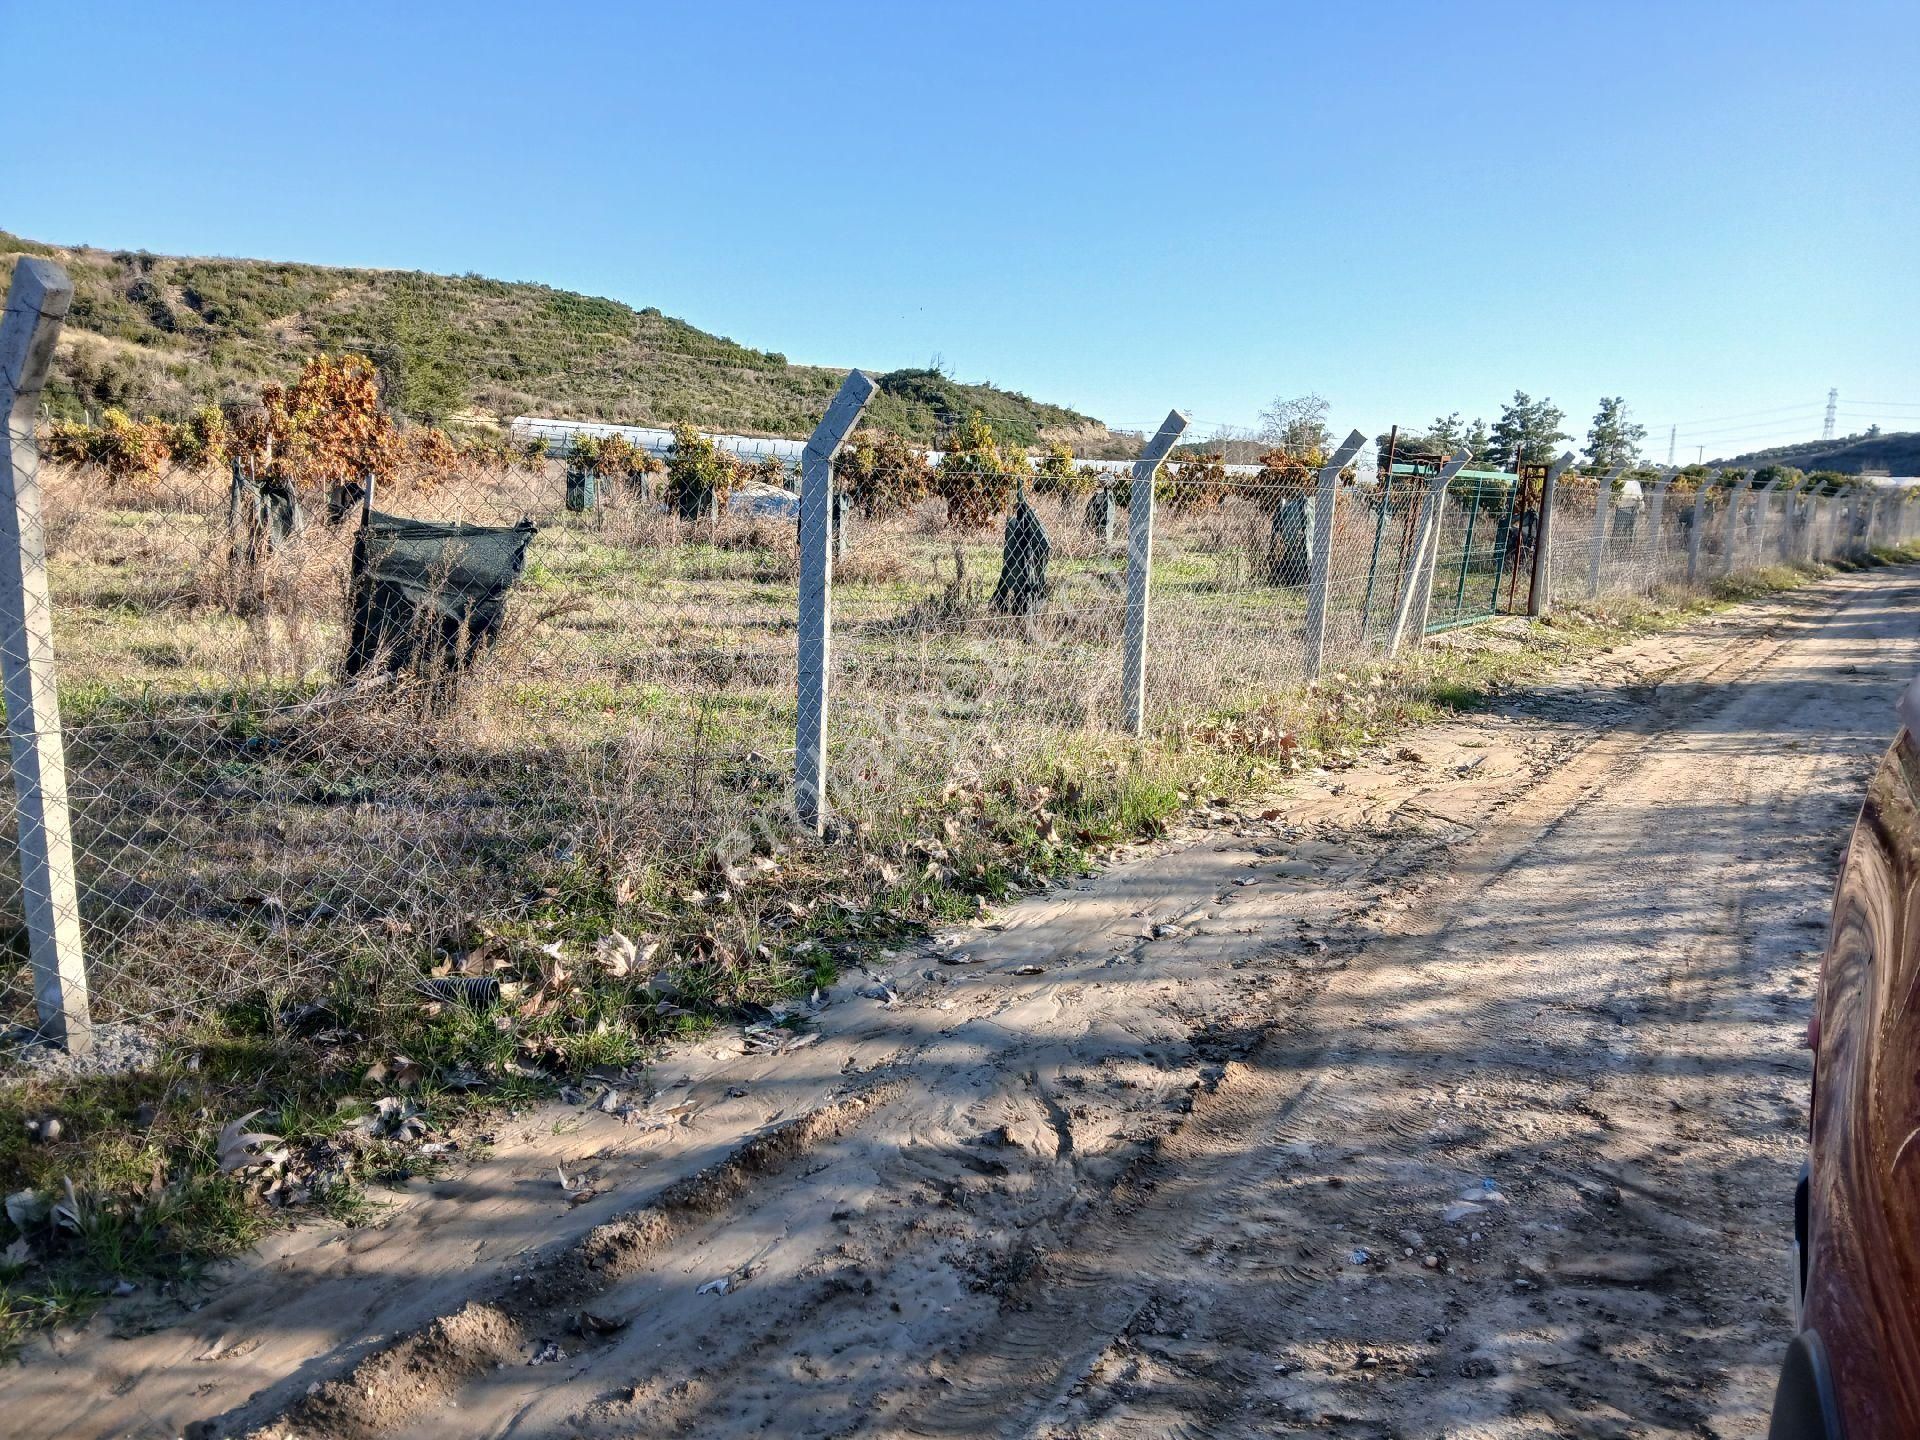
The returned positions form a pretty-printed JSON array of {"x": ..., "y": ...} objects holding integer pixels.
[{"x": 1460, "y": 1096}]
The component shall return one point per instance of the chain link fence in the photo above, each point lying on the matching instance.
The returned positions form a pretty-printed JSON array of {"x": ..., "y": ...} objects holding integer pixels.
[{"x": 327, "y": 724}]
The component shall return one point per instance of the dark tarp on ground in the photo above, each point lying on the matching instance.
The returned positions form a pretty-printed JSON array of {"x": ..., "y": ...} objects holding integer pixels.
[
  {"x": 343, "y": 499},
  {"x": 428, "y": 596},
  {"x": 1023, "y": 587},
  {"x": 265, "y": 514},
  {"x": 583, "y": 490}
]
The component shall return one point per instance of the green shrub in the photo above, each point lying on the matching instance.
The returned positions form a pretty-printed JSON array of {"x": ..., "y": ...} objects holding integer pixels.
[
  {"x": 1284, "y": 474},
  {"x": 882, "y": 474},
  {"x": 1193, "y": 485},
  {"x": 611, "y": 457},
  {"x": 200, "y": 440},
  {"x": 119, "y": 447},
  {"x": 698, "y": 475},
  {"x": 1056, "y": 474},
  {"x": 973, "y": 477}
]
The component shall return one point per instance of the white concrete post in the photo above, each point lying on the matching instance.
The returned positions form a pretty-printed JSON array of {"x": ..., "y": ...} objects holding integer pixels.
[
  {"x": 37, "y": 302},
  {"x": 1789, "y": 527},
  {"x": 1656, "y": 537},
  {"x": 1760, "y": 545},
  {"x": 816, "y": 595},
  {"x": 1699, "y": 527},
  {"x": 1133, "y": 661},
  {"x": 1602, "y": 514},
  {"x": 1876, "y": 518},
  {"x": 1540, "y": 600},
  {"x": 1416, "y": 589},
  {"x": 1320, "y": 560},
  {"x": 1733, "y": 522}
]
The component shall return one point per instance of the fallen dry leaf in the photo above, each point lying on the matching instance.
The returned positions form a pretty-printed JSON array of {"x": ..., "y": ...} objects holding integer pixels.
[
  {"x": 240, "y": 1149},
  {"x": 615, "y": 954}
]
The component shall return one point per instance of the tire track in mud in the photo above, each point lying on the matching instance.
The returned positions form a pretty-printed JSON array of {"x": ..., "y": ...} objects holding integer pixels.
[
  {"x": 1008, "y": 1206},
  {"x": 546, "y": 1299},
  {"x": 1221, "y": 1164}
]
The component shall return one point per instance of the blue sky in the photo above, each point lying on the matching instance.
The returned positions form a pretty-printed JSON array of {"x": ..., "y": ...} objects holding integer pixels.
[{"x": 1708, "y": 208}]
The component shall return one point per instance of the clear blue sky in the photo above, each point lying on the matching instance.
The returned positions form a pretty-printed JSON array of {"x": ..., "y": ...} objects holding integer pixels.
[{"x": 1712, "y": 209}]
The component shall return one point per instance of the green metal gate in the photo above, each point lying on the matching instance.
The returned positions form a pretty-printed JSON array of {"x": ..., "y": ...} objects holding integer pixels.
[{"x": 1474, "y": 550}]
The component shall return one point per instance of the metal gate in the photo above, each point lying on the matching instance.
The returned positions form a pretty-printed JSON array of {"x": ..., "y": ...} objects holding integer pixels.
[{"x": 1485, "y": 539}]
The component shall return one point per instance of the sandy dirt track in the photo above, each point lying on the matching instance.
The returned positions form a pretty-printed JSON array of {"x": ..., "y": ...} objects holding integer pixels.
[{"x": 1460, "y": 1096}]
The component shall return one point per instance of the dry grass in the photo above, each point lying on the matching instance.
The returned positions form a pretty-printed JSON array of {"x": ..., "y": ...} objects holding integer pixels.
[
  {"x": 278, "y": 866},
  {"x": 248, "y": 823}
]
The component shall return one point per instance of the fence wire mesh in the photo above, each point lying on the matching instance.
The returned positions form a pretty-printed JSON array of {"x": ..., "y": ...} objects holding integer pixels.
[
  {"x": 320, "y": 730},
  {"x": 305, "y": 734}
]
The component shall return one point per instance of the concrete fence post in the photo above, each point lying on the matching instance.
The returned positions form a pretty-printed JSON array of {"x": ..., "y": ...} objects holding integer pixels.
[
  {"x": 37, "y": 302},
  {"x": 1697, "y": 531},
  {"x": 816, "y": 595},
  {"x": 1602, "y": 516},
  {"x": 1760, "y": 532},
  {"x": 1320, "y": 559},
  {"x": 1656, "y": 534},
  {"x": 1788, "y": 535},
  {"x": 1540, "y": 598},
  {"x": 1133, "y": 663},
  {"x": 1732, "y": 542},
  {"x": 1416, "y": 589}
]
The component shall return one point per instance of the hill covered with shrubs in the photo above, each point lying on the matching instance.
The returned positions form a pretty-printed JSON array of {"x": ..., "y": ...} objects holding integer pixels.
[
  {"x": 161, "y": 336},
  {"x": 1873, "y": 453}
]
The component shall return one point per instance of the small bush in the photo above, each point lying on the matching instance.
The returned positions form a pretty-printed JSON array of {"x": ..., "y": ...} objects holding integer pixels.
[
  {"x": 1283, "y": 475},
  {"x": 199, "y": 441},
  {"x": 1193, "y": 485},
  {"x": 612, "y": 457},
  {"x": 698, "y": 475},
  {"x": 428, "y": 447},
  {"x": 327, "y": 428},
  {"x": 973, "y": 477},
  {"x": 767, "y": 470},
  {"x": 882, "y": 474},
  {"x": 333, "y": 427},
  {"x": 1056, "y": 474},
  {"x": 121, "y": 448}
]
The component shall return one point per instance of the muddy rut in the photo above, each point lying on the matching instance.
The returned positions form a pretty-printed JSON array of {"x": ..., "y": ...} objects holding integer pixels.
[{"x": 1454, "y": 1094}]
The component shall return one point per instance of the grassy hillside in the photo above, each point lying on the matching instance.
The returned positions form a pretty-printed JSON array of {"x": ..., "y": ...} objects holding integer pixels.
[
  {"x": 1897, "y": 454},
  {"x": 157, "y": 334}
]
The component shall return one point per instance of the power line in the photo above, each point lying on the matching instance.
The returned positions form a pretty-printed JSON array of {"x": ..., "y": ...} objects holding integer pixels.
[
  {"x": 1833, "y": 399},
  {"x": 1744, "y": 415}
]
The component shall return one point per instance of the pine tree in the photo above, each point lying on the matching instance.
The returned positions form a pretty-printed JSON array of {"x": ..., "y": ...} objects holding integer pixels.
[
  {"x": 1477, "y": 440},
  {"x": 1527, "y": 428},
  {"x": 1614, "y": 439}
]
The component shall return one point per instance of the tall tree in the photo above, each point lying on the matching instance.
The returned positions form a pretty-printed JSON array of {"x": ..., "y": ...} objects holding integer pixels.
[
  {"x": 1297, "y": 425},
  {"x": 1476, "y": 439},
  {"x": 1614, "y": 439},
  {"x": 420, "y": 377},
  {"x": 1445, "y": 433},
  {"x": 1527, "y": 428}
]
